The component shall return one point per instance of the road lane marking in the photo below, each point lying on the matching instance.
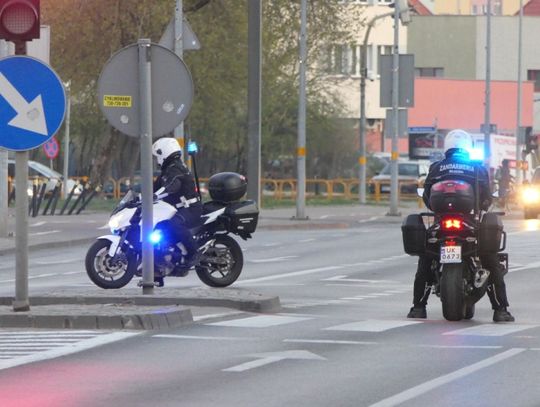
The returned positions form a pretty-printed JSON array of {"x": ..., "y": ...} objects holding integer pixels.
[
  {"x": 50, "y": 232},
  {"x": 306, "y": 240},
  {"x": 458, "y": 347},
  {"x": 442, "y": 380},
  {"x": 273, "y": 357},
  {"x": 360, "y": 280},
  {"x": 273, "y": 259},
  {"x": 526, "y": 267},
  {"x": 218, "y": 315},
  {"x": 373, "y": 218},
  {"x": 205, "y": 338},
  {"x": 491, "y": 330},
  {"x": 261, "y": 321},
  {"x": 328, "y": 341},
  {"x": 291, "y": 274},
  {"x": 34, "y": 225},
  {"x": 53, "y": 262},
  {"x": 371, "y": 325}
]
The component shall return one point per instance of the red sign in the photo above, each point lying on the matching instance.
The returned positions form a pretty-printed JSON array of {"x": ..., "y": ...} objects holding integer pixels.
[{"x": 51, "y": 148}]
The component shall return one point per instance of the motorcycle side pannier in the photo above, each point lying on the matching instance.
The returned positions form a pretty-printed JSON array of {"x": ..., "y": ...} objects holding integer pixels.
[
  {"x": 227, "y": 186},
  {"x": 414, "y": 235},
  {"x": 241, "y": 217},
  {"x": 452, "y": 196},
  {"x": 490, "y": 234}
]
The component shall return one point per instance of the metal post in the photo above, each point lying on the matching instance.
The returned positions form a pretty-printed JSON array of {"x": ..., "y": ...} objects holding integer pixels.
[
  {"x": 254, "y": 99},
  {"x": 145, "y": 86},
  {"x": 179, "y": 50},
  {"x": 363, "y": 74},
  {"x": 65, "y": 192},
  {"x": 394, "y": 184},
  {"x": 301, "y": 150},
  {"x": 4, "y": 192},
  {"x": 487, "y": 112},
  {"x": 519, "y": 163},
  {"x": 21, "y": 302}
]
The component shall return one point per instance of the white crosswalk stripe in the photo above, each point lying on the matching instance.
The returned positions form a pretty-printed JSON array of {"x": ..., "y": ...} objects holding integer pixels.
[
  {"x": 21, "y": 347},
  {"x": 371, "y": 326},
  {"x": 491, "y": 330},
  {"x": 262, "y": 321}
]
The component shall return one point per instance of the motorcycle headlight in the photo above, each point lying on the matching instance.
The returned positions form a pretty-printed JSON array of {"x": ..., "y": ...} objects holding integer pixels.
[
  {"x": 114, "y": 222},
  {"x": 531, "y": 195}
]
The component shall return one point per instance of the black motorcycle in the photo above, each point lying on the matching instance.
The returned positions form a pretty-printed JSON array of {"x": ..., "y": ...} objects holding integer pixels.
[{"x": 456, "y": 236}]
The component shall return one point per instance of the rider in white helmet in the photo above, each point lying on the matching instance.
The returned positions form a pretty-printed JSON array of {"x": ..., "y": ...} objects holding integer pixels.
[
  {"x": 176, "y": 186},
  {"x": 457, "y": 165}
]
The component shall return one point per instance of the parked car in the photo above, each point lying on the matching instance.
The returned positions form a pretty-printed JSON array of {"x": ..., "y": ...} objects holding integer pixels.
[
  {"x": 408, "y": 170},
  {"x": 530, "y": 196},
  {"x": 38, "y": 170}
]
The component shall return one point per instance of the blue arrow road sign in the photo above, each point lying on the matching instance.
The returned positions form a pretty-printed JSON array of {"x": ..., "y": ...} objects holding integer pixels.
[{"x": 32, "y": 103}]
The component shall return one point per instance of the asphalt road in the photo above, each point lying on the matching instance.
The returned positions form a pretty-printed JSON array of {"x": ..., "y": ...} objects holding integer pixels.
[{"x": 342, "y": 338}]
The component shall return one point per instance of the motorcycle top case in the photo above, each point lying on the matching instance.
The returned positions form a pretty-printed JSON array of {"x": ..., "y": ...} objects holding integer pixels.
[
  {"x": 227, "y": 186},
  {"x": 414, "y": 235},
  {"x": 490, "y": 233},
  {"x": 241, "y": 217},
  {"x": 452, "y": 196}
]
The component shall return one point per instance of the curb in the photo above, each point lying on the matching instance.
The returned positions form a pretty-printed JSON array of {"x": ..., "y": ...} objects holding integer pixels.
[
  {"x": 49, "y": 245},
  {"x": 128, "y": 311},
  {"x": 103, "y": 317}
]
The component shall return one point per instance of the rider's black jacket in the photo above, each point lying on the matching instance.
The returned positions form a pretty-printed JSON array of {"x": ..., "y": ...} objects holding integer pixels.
[
  {"x": 457, "y": 165},
  {"x": 178, "y": 182}
]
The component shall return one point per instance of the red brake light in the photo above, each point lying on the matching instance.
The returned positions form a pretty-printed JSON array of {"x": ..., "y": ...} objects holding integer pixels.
[{"x": 452, "y": 224}]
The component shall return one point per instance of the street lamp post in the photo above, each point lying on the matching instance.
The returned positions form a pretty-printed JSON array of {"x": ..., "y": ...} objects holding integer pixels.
[{"x": 363, "y": 74}]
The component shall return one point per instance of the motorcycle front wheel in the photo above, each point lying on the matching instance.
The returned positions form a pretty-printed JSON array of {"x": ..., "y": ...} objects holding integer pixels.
[
  {"x": 452, "y": 288},
  {"x": 103, "y": 271},
  {"x": 222, "y": 263}
]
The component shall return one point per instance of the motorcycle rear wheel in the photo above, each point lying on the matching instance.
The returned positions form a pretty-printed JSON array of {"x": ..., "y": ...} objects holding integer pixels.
[
  {"x": 452, "y": 297},
  {"x": 103, "y": 272},
  {"x": 222, "y": 263}
]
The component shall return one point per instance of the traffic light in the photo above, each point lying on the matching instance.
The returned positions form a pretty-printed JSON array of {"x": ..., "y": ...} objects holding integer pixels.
[
  {"x": 19, "y": 20},
  {"x": 531, "y": 140}
]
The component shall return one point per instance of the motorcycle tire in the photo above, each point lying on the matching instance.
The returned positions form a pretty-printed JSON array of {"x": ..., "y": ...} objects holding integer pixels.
[
  {"x": 452, "y": 298},
  {"x": 102, "y": 272},
  {"x": 222, "y": 263}
]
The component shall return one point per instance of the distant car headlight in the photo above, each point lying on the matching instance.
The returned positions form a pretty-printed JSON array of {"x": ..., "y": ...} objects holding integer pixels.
[{"x": 531, "y": 195}]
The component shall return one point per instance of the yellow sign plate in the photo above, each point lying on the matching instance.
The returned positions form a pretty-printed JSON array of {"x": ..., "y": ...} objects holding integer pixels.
[{"x": 116, "y": 101}]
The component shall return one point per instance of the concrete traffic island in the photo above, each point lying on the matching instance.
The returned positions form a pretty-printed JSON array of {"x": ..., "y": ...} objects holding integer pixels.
[{"x": 127, "y": 308}]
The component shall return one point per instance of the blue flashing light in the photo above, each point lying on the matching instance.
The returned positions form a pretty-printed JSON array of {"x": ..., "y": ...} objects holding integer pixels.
[
  {"x": 192, "y": 147},
  {"x": 476, "y": 154},
  {"x": 155, "y": 236}
]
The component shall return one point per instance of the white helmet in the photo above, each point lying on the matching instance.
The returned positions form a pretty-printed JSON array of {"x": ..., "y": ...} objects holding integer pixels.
[
  {"x": 458, "y": 139},
  {"x": 164, "y": 148}
]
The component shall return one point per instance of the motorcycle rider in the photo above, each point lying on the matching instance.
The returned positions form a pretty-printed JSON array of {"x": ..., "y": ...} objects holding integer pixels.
[
  {"x": 457, "y": 165},
  {"x": 176, "y": 186}
]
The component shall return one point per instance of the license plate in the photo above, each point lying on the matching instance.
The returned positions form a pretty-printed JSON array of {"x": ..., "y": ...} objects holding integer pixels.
[{"x": 451, "y": 254}]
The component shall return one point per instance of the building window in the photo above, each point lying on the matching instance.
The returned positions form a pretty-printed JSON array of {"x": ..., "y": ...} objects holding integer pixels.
[
  {"x": 429, "y": 72},
  {"x": 534, "y": 75},
  {"x": 343, "y": 59}
]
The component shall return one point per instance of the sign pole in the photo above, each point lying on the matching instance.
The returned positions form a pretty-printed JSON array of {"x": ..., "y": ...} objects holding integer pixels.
[
  {"x": 179, "y": 50},
  {"x": 4, "y": 193},
  {"x": 65, "y": 192},
  {"x": 301, "y": 150},
  {"x": 21, "y": 302},
  {"x": 145, "y": 86},
  {"x": 394, "y": 184}
]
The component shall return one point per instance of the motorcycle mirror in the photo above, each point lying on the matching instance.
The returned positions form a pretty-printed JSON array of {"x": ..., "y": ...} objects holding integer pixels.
[{"x": 420, "y": 191}]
